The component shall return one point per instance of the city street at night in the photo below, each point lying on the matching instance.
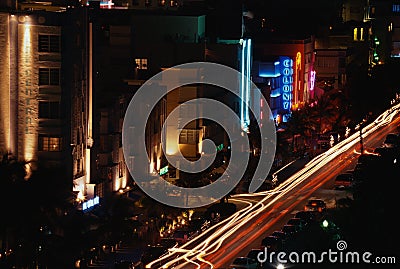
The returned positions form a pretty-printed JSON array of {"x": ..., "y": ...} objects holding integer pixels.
[{"x": 199, "y": 134}]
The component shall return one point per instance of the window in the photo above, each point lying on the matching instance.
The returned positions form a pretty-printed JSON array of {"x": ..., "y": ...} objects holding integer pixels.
[
  {"x": 49, "y": 43},
  {"x": 78, "y": 166},
  {"x": 308, "y": 57},
  {"x": 355, "y": 10},
  {"x": 49, "y": 76},
  {"x": 121, "y": 169},
  {"x": 342, "y": 62},
  {"x": 49, "y": 109},
  {"x": 188, "y": 136},
  {"x": 396, "y": 8},
  {"x": 121, "y": 110},
  {"x": 141, "y": 64},
  {"x": 49, "y": 143},
  {"x": 358, "y": 34}
]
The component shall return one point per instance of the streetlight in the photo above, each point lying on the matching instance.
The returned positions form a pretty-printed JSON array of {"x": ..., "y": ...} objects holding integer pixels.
[
  {"x": 361, "y": 138},
  {"x": 347, "y": 132}
]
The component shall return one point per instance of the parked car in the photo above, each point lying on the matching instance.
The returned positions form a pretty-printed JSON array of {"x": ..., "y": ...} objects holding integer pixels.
[
  {"x": 297, "y": 222},
  {"x": 392, "y": 140},
  {"x": 168, "y": 242},
  {"x": 308, "y": 216},
  {"x": 369, "y": 159},
  {"x": 360, "y": 171},
  {"x": 282, "y": 235},
  {"x": 315, "y": 205},
  {"x": 290, "y": 229},
  {"x": 271, "y": 242},
  {"x": 344, "y": 180},
  {"x": 124, "y": 265},
  {"x": 199, "y": 224},
  {"x": 152, "y": 253},
  {"x": 184, "y": 234},
  {"x": 244, "y": 263},
  {"x": 253, "y": 254}
]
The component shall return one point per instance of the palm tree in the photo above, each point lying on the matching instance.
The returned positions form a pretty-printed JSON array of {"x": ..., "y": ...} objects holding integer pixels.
[
  {"x": 323, "y": 113},
  {"x": 298, "y": 124},
  {"x": 12, "y": 177}
]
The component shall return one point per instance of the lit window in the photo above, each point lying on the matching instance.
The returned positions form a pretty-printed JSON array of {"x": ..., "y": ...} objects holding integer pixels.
[
  {"x": 355, "y": 34},
  {"x": 361, "y": 34},
  {"x": 396, "y": 8},
  {"x": 49, "y": 43},
  {"x": 49, "y": 76},
  {"x": 188, "y": 136},
  {"x": 49, "y": 143},
  {"x": 121, "y": 169},
  {"x": 141, "y": 64}
]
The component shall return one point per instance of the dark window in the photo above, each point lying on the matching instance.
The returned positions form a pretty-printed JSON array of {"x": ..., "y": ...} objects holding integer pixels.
[
  {"x": 49, "y": 143},
  {"x": 121, "y": 110},
  {"x": 49, "y": 76},
  {"x": 49, "y": 43},
  {"x": 342, "y": 62},
  {"x": 355, "y": 10},
  {"x": 49, "y": 110}
]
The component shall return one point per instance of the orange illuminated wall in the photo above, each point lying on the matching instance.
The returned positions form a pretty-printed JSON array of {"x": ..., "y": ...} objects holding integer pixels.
[
  {"x": 5, "y": 115},
  {"x": 28, "y": 90}
]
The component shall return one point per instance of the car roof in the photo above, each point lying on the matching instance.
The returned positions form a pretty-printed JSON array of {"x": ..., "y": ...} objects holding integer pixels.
[
  {"x": 295, "y": 220},
  {"x": 242, "y": 259},
  {"x": 316, "y": 201},
  {"x": 271, "y": 237},
  {"x": 288, "y": 226}
]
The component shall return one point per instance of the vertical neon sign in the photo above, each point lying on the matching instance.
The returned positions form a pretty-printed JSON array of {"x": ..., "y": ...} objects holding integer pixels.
[
  {"x": 297, "y": 84},
  {"x": 312, "y": 80},
  {"x": 245, "y": 70},
  {"x": 287, "y": 83}
]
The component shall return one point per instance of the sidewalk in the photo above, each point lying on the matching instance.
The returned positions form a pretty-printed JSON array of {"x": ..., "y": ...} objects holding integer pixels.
[{"x": 125, "y": 251}]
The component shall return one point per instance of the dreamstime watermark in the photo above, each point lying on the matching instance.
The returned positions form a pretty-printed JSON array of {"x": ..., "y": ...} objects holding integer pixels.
[
  {"x": 340, "y": 255},
  {"x": 149, "y": 95}
]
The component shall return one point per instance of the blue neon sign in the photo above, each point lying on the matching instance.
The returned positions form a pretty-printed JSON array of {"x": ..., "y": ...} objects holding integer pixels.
[{"x": 286, "y": 69}]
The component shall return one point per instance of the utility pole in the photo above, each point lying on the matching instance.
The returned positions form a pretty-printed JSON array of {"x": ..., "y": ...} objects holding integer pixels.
[{"x": 361, "y": 139}]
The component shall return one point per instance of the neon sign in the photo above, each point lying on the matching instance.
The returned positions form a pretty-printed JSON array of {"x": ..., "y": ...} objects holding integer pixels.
[
  {"x": 287, "y": 83},
  {"x": 245, "y": 69},
  {"x": 220, "y": 147},
  {"x": 297, "y": 83},
  {"x": 164, "y": 170},
  {"x": 90, "y": 203},
  {"x": 312, "y": 80}
]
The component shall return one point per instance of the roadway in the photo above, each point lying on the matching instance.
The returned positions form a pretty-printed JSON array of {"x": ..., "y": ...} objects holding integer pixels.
[{"x": 262, "y": 213}]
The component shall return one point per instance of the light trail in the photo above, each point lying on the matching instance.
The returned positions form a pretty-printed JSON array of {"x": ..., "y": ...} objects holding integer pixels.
[{"x": 195, "y": 253}]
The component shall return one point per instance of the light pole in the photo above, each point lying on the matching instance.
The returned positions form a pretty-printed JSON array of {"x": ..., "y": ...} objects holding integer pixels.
[{"x": 361, "y": 138}]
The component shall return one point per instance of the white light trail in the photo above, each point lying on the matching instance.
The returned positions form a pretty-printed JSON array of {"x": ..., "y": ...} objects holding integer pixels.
[{"x": 214, "y": 237}]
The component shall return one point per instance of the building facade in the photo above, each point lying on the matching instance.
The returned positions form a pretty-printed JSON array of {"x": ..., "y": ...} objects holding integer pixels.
[{"x": 33, "y": 111}]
